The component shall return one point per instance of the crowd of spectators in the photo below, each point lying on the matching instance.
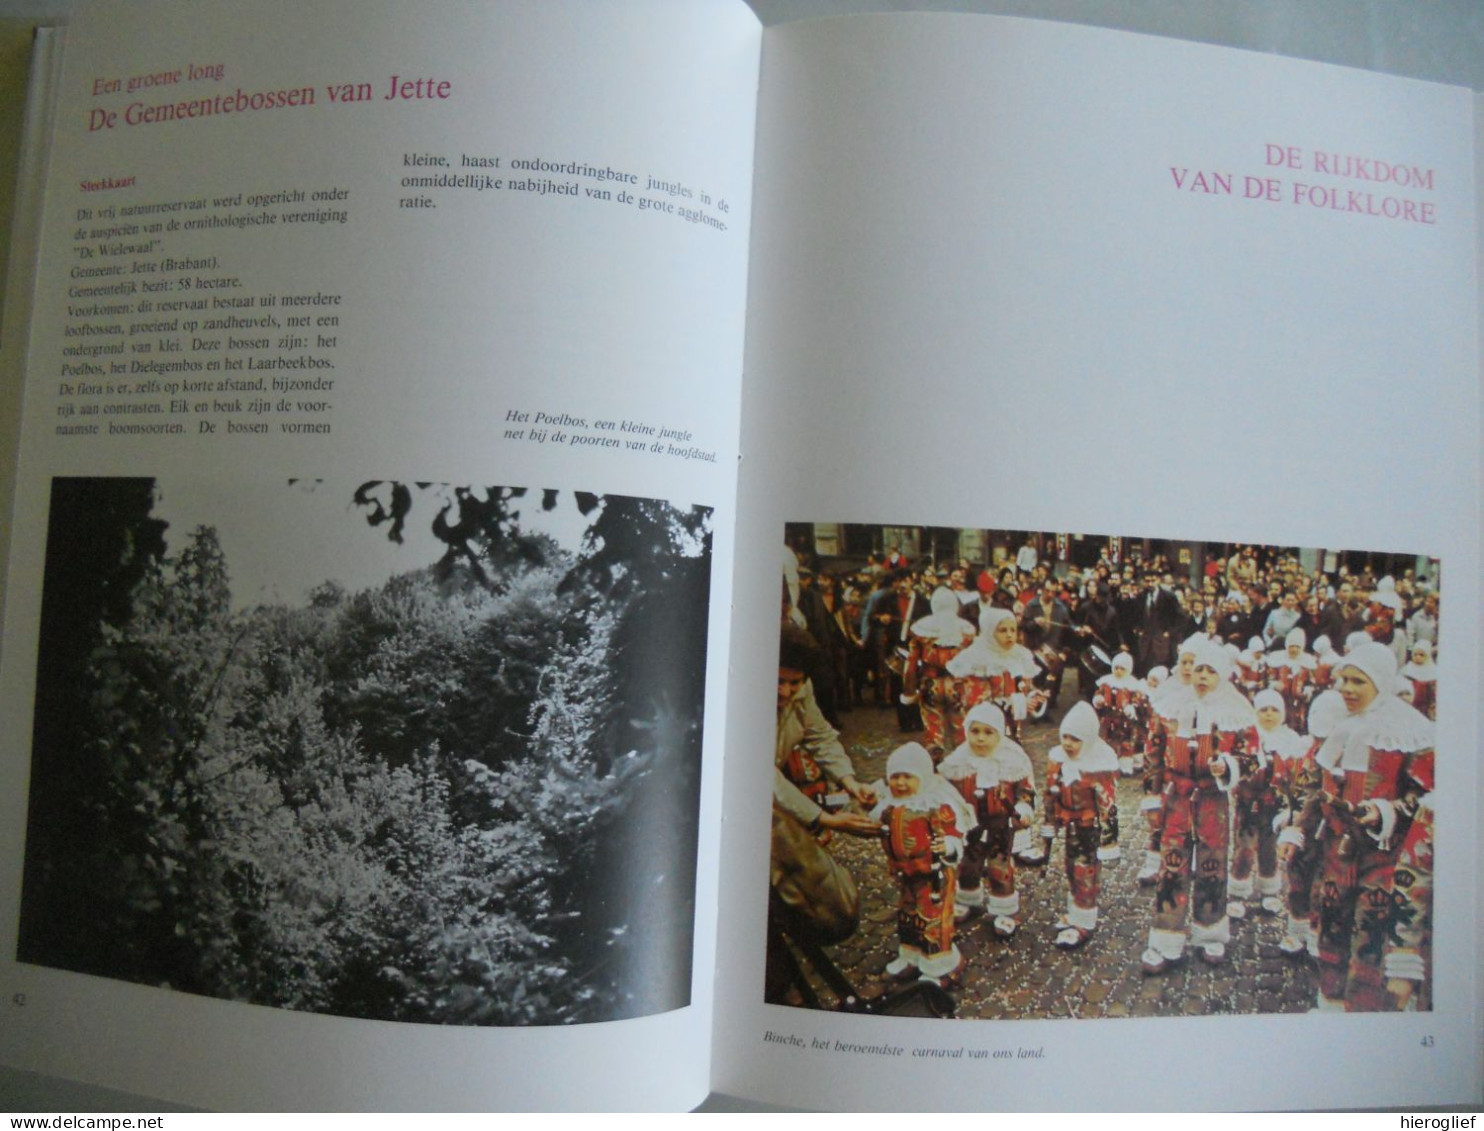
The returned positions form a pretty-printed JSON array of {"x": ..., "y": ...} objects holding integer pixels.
[{"x": 856, "y": 615}]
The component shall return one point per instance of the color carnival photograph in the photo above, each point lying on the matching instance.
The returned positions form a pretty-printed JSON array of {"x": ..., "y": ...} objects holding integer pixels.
[
  {"x": 399, "y": 751},
  {"x": 1030, "y": 774}
]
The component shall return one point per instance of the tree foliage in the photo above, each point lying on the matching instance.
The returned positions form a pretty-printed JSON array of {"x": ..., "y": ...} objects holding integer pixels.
[{"x": 465, "y": 796}]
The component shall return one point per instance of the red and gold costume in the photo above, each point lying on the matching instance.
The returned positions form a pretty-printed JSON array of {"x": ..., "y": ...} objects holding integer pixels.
[
  {"x": 1425, "y": 696},
  {"x": 1410, "y": 958},
  {"x": 989, "y": 673},
  {"x": 1082, "y": 799},
  {"x": 1198, "y": 762},
  {"x": 1298, "y": 780},
  {"x": 1326, "y": 659},
  {"x": 1251, "y": 668},
  {"x": 1374, "y": 921},
  {"x": 1421, "y": 676},
  {"x": 933, "y": 642},
  {"x": 925, "y": 909},
  {"x": 1291, "y": 675},
  {"x": 999, "y": 791},
  {"x": 922, "y": 839},
  {"x": 1122, "y": 704},
  {"x": 1381, "y": 618},
  {"x": 1256, "y": 803},
  {"x": 1164, "y": 709}
]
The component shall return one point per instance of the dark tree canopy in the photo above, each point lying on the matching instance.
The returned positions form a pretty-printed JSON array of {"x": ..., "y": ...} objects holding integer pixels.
[
  {"x": 101, "y": 543},
  {"x": 467, "y": 795}
]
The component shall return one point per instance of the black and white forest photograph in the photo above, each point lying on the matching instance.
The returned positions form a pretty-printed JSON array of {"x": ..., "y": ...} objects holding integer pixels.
[
  {"x": 399, "y": 751},
  {"x": 1035, "y": 774}
]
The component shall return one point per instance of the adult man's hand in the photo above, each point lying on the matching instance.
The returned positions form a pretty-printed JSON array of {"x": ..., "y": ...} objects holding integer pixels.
[{"x": 858, "y": 824}]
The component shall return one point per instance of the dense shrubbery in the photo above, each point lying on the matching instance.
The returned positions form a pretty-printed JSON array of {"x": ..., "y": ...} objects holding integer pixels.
[{"x": 467, "y": 796}]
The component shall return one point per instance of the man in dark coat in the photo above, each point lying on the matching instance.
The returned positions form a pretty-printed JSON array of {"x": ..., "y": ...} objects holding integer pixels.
[
  {"x": 1342, "y": 616},
  {"x": 1046, "y": 622},
  {"x": 1096, "y": 623},
  {"x": 1156, "y": 617},
  {"x": 889, "y": 616},
  {"x": 820, "y": 626}
]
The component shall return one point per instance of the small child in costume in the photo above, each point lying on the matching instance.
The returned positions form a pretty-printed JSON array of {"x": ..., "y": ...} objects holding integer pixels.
[
  {"x": 996, "y": 668},
  {"x": 933, "y": 641},
  {"x": 1250, "y": 668},
  {"x": 1373, "y": 910},
  {"x": 1419, "y": 682},
  {"x": 1122, "y": 704},
  {"x": 922, "y": 818},
  {"x": 1164, "y": 707},
  {"x": 1255, "y": 807},
  {"x": 1081, "y": 798},
  {"x": 1325, "y": 661},
  {"x": 1213, "y": 732},
  {"x": 993, "y": 773},
  {"x": 1291, "y": 675},
  {"x": 1299, "y": 781}
]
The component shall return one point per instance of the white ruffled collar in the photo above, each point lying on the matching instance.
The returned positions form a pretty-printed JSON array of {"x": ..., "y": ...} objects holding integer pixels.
[
  {"x": 983, "y": 658},
  {"x": 1223, "y": 708},
  {"x": 1387, "y": 724},
  {"x": 1096, "y": 757}
]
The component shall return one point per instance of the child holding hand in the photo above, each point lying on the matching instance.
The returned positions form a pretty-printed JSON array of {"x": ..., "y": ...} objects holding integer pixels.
[{"x": 922, "y": 820}]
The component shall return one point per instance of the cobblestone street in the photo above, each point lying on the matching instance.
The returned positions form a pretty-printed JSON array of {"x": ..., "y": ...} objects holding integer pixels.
[{"x": 1027, "y": 976}]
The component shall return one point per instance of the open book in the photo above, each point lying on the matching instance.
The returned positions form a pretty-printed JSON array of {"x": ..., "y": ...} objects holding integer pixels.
[{"x": 419, "y": 400}]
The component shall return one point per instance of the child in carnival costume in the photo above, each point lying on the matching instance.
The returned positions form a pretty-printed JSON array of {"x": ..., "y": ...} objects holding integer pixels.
[
  {"x": 1291, "y": 675},
  {"x": 1214, "y": 729},
  {"x": 1164, "y": 707},
  {"x": 1408, "y": 965},
  {"x": 1251, "y": 667},
  {"x": 1122, "y": 704},
  {"x": 1255, "y": 807},
  {"x": 993, "y": 773},
  {"x": 1383, "y": 612},
  {"x": 1419, "y": 682},
  {"x": 922, "y": 819},
  {"x": 933, "y": 641},
  {"x": 997, "y": 669},
  {"x": 1374, "y": 911},
  {"x": 1298, "y": 780},
  {"x": 1081, "y": 798},
  {"x": 1326, "y": 659},
  {"x": 1157, "y": 675}
]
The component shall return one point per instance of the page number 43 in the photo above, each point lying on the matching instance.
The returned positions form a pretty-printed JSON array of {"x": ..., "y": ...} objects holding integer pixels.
[{"x": 1429, "y": 1041}]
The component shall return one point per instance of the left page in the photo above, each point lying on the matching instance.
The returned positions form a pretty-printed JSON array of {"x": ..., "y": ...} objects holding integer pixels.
[{"x": 371, "y": 536}]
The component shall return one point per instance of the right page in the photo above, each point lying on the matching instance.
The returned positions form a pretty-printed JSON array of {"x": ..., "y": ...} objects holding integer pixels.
[{"x": 1080, "y": 362}]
